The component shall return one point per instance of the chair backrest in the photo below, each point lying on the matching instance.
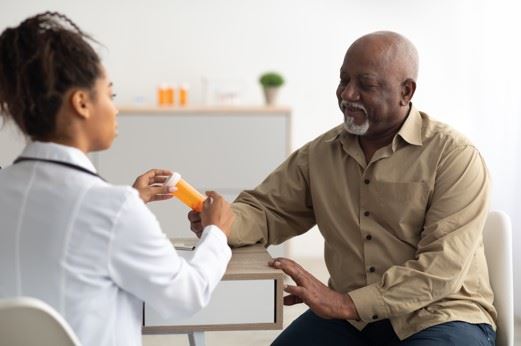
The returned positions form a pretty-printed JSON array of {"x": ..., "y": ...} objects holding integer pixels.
[
  {"x": 497, "y": 239},
  {"x": 29, "y": 321}
]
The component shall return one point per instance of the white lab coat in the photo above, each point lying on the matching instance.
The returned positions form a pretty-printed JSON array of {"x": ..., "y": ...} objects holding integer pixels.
[{"x": 94, "y": 251}]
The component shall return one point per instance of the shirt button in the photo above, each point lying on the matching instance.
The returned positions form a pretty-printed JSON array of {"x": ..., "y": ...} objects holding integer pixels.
[
  {"x": 367, "y": 213},
  {"x": 366, "y": 181},
  {"x": 375, "y": 317},
  {"x": 368, "y": 237},
  {"x": 372, "y": 269}
]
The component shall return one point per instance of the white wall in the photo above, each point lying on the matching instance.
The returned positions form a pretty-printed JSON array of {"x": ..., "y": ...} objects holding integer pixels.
[
  {"x": 469, "y": 72},
  {"x": 185, "y": 40}
]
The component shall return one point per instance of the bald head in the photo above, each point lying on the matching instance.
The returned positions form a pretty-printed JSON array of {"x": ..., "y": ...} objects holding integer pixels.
[
  {"x": 377, "y": 82},
  {"x": 392, "y": 50}
]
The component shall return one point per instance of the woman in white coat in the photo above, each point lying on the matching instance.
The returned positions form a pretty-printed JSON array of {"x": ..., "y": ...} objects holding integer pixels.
[{"x": 90, "y": 249}]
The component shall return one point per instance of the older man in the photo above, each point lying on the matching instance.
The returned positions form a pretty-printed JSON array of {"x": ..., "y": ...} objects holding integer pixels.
[{"x": 400, "y": 199}]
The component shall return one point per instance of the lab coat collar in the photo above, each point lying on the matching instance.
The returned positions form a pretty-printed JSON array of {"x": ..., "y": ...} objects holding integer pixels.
[{"x": 58, "y": 152}]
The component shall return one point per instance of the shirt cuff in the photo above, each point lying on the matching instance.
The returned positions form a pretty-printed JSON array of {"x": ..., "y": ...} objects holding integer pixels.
[{"x": 369, "y": 303}]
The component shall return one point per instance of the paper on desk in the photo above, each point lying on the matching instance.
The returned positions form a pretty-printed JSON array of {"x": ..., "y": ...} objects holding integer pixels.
[{"x": 184, "y": 246}]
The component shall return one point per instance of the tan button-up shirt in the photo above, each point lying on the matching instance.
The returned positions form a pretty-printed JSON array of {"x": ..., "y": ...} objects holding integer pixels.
[{"x": 403, "y": 232}]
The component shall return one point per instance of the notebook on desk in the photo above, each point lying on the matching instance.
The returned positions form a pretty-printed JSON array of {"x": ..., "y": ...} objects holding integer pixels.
[{"x": 184, "y": 244}]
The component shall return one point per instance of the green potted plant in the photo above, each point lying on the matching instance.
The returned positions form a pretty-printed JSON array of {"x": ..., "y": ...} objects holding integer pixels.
[{"x": 271, "y": 82}]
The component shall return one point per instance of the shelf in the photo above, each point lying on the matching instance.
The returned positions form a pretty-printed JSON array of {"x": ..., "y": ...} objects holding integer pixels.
[{"x": 126, "y": 109}]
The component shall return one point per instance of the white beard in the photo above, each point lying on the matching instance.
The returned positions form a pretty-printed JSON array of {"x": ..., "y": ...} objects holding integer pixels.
[
  {"x": 349, "y": 123},
  {"x": 354, "y": 129}
]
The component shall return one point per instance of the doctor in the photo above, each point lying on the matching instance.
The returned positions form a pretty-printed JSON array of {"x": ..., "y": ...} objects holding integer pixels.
[{"x": 90, "y": 249}]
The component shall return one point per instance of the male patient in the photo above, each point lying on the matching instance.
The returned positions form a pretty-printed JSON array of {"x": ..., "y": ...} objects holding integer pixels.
[{"x": 400, "y": 199}]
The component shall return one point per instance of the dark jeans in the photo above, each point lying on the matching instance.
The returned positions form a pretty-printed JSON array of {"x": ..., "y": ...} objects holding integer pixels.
[{"x": 309, "y": 329}]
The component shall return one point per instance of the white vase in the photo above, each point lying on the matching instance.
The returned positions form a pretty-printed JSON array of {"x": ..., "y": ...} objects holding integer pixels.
[{"x": 270, "y": 95}]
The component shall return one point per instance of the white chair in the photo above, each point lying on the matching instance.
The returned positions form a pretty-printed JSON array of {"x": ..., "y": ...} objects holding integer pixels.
[
  {"x": 29, "y": 321},
  {"x": 497, "y": 238}
]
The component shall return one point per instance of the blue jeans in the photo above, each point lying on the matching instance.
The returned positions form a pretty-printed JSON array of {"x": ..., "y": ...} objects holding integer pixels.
[{"x": 310, "y": 329}]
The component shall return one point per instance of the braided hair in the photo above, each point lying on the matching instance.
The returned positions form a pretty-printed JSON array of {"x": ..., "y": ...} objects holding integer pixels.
[{"x": 40, "y": 60}]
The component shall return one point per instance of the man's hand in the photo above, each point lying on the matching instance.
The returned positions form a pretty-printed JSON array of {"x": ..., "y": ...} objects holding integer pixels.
[
  {"x": 322, "y": 300},
  {"x": 196, "y": 224},
  {"x": 216, "y": 211},
  {"x": 150, "y": 185}
]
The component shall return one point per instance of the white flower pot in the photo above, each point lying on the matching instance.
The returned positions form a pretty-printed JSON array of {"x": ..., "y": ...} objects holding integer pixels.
[{"x": 270, "y": 95}]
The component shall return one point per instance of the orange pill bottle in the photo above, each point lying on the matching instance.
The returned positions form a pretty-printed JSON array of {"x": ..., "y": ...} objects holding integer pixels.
[
  {"x": 165, "y": 95},
  {"x": 186, "y": 193},
  {"x": 183, "y": 95}
]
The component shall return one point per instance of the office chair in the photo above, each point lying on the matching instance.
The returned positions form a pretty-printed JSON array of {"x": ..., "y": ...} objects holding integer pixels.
[
  {"x": 29, "y": 321},
  {"x": 497, "y": 239}
]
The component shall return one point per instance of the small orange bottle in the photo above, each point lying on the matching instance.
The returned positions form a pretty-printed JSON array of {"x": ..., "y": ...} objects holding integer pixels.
[
  {"x": 161, "y": 96},
  {"x": 183, "y": 95},
  {"x": 186, "y": 193},
  {"x": 169, "y": 96},
  {"x": 165, "y": 95}
]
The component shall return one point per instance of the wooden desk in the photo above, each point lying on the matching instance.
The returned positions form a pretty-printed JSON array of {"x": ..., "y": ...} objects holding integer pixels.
[{"x": 248, "y": 298}]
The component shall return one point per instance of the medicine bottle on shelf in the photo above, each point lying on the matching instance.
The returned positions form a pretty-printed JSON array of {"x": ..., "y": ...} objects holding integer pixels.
[
  {"x": 183, "y": 95},
  {"x": 165, "y": 95}
]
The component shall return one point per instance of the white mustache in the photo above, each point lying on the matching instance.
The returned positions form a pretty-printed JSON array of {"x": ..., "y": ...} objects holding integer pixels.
[{"x": 345, "y": 104}]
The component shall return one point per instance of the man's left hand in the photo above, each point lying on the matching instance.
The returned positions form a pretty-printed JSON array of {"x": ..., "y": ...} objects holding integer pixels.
[{"x": 322, "y": 300}]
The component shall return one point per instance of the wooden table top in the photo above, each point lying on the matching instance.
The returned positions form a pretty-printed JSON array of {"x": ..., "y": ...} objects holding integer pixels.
[{"x": 247, "y": 263}]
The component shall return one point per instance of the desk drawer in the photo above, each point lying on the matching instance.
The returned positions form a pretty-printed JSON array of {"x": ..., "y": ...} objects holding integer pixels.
[{"x": 234, "y": 302}]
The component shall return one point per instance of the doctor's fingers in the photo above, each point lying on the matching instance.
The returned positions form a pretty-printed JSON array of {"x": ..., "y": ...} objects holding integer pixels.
[
  {"x": 161, "y": 197},
  {"x": 155, "y": 173},
  {"x": 157, "y": 179},
  {"x": 158, "y": 176},
  {"x": 146, "y": 178},
  {"x": 156, "y": 193}
]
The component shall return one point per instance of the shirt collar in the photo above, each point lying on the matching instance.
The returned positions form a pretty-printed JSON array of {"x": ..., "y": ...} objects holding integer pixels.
[
  {"x": 411, "y": 130},
  {"x": 58, "y": 152},
  {"x": 337, "y": 132}
]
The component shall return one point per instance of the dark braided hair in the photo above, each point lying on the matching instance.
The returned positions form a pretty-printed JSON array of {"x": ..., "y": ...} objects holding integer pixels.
[{"x": 40, "y": 60}]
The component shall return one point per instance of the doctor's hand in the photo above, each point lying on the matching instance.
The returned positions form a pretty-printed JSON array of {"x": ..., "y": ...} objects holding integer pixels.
[
  {"x": 150, "y": 185},
  {"x": 216, "y": 211},
  {"x": 321, "y": 299}
]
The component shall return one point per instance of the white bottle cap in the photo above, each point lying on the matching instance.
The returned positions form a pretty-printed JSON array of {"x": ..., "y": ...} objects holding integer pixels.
[{"x": 173, "y": 180}]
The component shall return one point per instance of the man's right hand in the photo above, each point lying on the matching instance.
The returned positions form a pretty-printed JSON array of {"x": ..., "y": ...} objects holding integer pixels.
[{"x": 216, "y": 211}]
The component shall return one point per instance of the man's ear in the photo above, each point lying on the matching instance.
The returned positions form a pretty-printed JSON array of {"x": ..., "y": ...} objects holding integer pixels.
[
  {"x": 79, "y": 100},
  {"x": 408, "y": 89}
]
